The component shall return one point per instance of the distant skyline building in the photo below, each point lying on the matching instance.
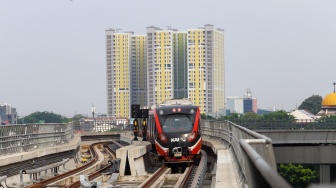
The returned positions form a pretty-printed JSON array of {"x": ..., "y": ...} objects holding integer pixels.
[
  {"x": 8, "y": 114},
  {"x": 241, "y": 105},
  {"x": 165, "y": 64}
]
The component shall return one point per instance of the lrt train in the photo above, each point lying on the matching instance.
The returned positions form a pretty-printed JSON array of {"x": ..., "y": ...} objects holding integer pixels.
[{"x": 173, "y": 127}]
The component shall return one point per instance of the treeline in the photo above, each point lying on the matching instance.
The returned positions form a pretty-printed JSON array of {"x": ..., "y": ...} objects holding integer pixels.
[
  {"x": 276, "y": 116},
  {"x": 251, "y": 116},
  {"x": 47, "y": 117}
]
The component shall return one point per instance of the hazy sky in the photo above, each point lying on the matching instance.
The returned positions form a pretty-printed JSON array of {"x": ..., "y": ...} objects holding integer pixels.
[{"x": 52, "y": 53}]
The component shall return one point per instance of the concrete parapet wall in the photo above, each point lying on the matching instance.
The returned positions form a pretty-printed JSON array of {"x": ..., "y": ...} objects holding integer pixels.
[
  {"x": 319, "y": 154},
  {"x": 29, "y": 137},
  {"x": 126, "y": 138},
  {"x": 122, "y": 154},
  {"x": 19, "y": 157},
  {"x": 300, "y": 136},
  {"x": 134, "y": 155},
  {"x": 136, "y": 160}
]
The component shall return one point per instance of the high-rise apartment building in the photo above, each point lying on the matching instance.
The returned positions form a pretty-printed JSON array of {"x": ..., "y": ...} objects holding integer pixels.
[
  {"x": 139, "y": 70},
  {"x": 206, "y": 68},
  {"x": 125, "y": 67},
  {"x": 160, "y": 61},
  {"x": 180, "y": 65},
  {"x": 165, "y": 64}
]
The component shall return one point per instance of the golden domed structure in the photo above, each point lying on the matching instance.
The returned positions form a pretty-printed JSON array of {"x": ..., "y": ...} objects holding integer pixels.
[
  {"x": 328, "y": 104},
  {"x": 329, "y": 100}
]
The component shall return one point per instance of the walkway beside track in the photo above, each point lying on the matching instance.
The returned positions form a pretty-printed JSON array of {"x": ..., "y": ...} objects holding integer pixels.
[{"x": 226, "y": 176}]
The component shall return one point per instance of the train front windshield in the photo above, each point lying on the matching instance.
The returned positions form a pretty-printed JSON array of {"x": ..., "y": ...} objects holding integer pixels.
[{"x": 177, "y": 123}]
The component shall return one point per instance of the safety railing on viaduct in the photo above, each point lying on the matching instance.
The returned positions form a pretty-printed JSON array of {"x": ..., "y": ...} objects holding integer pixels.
[
  {"x": 252, "y": 152},
  {"x": 28, "y": 137}
]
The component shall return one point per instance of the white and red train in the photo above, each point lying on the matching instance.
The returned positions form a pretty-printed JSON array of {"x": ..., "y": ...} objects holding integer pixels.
[{"x": 174, "y": 129}]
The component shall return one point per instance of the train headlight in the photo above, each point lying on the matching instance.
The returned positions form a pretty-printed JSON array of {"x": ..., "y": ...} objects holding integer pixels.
[
  {"x": 192, "y": 111},
  {"x": 192, "y": 136},
  {"x": 163, "y": 137},
  {"x": 161, "y": 112}
]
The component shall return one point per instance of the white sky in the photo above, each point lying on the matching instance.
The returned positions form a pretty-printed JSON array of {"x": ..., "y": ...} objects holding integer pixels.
[{"x": 52, "y": 53}]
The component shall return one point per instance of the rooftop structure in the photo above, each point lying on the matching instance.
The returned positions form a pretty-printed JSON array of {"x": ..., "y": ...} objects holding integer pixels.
[
  {"x": 303, "y": 116},
  {"x": 328, "y": 104}
]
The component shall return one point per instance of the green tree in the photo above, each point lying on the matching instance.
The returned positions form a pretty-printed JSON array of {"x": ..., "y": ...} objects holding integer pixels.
[
  {"x": 280, "y": 115},
  {"x": 331, "y": 118},
  {"x": 77, "y": 117},
  {"x": 250, "y": 116},
  {"x": 298, "y": 176},
  {"x": 45, "y": 117},
  {"x": 312, "y": 104},
  {"x": 232, "y": 117},
  {"x": 204, "y": 116}
]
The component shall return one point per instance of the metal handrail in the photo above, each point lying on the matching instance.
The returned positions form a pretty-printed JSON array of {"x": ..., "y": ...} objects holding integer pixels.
[{"x": 270, "y": 177}]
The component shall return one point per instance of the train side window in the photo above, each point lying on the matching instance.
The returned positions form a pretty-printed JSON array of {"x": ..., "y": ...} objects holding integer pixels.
[
  {"x": 199, "y": 126},
  {"x": 151, "y": 126},
  {"x": 155, "y": 130}
]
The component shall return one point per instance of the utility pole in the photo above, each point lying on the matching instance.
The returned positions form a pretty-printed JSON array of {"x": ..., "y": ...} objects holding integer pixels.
[{"x": 93, "y": 109}]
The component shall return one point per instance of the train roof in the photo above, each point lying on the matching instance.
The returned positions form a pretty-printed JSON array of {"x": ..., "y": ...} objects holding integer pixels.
[{"x": 171, "y": 102}]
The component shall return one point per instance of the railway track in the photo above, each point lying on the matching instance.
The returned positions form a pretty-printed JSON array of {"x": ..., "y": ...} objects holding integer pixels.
[
  {"x": 97, "y": 173},
  {"x": 95, "y": 158},
  {"x": 193, "y": 176}
]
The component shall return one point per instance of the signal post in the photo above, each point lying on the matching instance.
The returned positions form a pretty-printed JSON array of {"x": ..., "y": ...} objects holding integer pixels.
[{"x": 135, "y": 114}]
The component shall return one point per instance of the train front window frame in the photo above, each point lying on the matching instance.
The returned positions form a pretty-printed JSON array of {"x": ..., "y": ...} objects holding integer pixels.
[{"x": 176, "y": 123}]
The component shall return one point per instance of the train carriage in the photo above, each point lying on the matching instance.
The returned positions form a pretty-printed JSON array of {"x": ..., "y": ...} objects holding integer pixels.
[{"x": 174, "y": 130}]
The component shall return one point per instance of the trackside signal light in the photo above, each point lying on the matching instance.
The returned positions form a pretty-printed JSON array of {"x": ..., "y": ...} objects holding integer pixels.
[
  {"x": 192, "y": 136},
  {"x": 163, "y": 137},
  {"x": 135, "y": 113}
]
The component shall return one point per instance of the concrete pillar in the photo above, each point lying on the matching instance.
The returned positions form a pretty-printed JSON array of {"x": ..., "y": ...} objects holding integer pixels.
[{"x": 324, "y": 174}]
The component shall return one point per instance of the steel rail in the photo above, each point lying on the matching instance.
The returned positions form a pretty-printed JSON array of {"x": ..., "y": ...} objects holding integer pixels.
[
  {"x": 147, "y": 183},
  {"x": 186, "y": 177},
  {"x": 72, "y": 172}
]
